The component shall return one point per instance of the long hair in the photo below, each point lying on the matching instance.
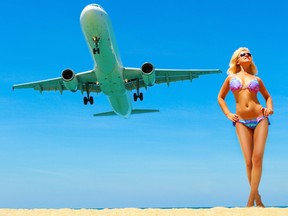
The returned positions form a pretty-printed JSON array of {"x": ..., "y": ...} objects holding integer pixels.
[{"x": 235, "y": 68}]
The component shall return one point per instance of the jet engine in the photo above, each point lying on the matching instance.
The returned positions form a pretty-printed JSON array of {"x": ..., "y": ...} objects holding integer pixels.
[
  {"x": 148, "y": 74},
  {"x": 70, "y": 80}
]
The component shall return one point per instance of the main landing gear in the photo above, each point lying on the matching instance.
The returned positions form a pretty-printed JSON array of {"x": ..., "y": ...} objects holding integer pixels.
[
  {"x": 89, "y": 98},
  {"x": 138, "y": 94},
  {"x": 96, "y": 42}
]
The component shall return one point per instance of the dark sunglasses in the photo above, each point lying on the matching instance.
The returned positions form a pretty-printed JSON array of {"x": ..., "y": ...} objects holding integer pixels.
[{"x": 244, "y": 54}]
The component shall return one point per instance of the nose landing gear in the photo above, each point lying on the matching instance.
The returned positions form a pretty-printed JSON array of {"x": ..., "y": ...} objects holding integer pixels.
[{"x": 96, "y": 42}]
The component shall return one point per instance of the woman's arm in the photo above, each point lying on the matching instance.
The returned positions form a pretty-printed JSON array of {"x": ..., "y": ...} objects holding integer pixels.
[
  {"x": 269, "y": 104},
  {"x": 221, "y": 100},
  {"x": 222, "y": 95}
]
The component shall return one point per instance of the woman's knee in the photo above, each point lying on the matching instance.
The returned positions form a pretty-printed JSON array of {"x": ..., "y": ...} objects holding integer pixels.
[
  {"x": 248, "y": 164},
  {"x": 257, "y": 160}
]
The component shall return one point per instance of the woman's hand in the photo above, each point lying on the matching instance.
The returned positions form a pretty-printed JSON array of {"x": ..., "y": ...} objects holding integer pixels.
[
  {"x": 267, "y": 111},
  {"x": 233, "y": 117}
]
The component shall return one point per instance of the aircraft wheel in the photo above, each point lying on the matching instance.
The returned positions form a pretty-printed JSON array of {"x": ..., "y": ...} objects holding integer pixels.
[
  {"x": 85, "y": 100},
  {"x": 141, "y": 96},
  {"x": 91, "y": 100},
  {"x": 96, "y": 50},
  {"x": 135, "y": 96}
]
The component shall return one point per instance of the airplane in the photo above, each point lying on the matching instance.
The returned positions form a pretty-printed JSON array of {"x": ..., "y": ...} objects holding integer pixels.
[{"x": 109, "y": 75}]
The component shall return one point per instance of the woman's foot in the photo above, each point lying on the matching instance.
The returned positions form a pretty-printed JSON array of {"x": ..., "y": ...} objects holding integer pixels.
[
  {"x": 250, "y": 203},
  {"x": 259, "y": 201}
]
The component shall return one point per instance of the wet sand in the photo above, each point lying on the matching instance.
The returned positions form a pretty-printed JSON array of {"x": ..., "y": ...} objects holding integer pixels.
[{"x": 216, "y": 211}]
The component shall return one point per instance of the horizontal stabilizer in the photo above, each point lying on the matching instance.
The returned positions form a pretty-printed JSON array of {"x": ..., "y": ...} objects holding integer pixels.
[
  {"x": 135, "y": 111},
  {"x": 141, "y": 111}
]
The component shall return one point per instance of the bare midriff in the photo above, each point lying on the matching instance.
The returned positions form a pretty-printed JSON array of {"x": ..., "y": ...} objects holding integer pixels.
[{"x": 247, "y": 104}]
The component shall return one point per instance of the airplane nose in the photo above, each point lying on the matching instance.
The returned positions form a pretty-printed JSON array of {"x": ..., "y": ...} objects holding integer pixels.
[
  {"x": 93, "y": 7},
  {"x": 92, "y": 10}
]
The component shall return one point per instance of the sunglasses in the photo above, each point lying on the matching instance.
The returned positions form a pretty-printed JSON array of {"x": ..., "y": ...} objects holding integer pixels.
[{"x": 244, "y": 54}]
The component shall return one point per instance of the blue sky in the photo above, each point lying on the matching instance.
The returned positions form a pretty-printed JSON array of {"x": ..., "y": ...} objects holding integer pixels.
[{"x": 55, "y": 154}]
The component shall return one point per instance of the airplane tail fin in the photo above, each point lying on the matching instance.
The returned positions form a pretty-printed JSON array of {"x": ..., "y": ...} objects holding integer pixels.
[{"x": 133, "y": 112}]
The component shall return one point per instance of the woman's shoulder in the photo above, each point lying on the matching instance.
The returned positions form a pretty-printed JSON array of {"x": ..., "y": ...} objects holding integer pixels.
[
  {"x": 257, "y": 78},
  {"x": 231, "y": 76}
]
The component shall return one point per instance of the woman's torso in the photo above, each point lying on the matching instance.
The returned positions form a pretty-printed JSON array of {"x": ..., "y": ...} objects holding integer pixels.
[{"x": 245, "y": 89}]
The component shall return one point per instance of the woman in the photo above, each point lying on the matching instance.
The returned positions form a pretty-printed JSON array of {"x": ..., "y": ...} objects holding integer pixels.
[{"x": 251, "y": 119}]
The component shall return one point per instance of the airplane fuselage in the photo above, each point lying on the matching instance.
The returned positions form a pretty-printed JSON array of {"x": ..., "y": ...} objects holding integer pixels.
[{"x": 99, "y": 35}]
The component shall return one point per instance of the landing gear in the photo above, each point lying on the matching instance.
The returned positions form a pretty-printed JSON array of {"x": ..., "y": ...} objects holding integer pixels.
[
  {"x": 96, "y": 42},
  {"x": 138, "y": 94},
  {"x": 89, "y": 98},
  {"x": 96, "y": 50}
]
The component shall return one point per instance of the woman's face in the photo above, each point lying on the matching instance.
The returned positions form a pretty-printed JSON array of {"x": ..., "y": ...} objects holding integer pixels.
[{"x": 244, "y": 57}]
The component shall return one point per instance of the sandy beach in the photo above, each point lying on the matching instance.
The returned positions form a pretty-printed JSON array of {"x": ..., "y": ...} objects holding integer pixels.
[{"x": 221, "y": 211}]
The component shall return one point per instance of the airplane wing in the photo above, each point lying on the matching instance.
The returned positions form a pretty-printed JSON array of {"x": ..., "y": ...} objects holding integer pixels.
[
  {"x": 86, "y": 80},
  {"x": 134, "y": 76}
]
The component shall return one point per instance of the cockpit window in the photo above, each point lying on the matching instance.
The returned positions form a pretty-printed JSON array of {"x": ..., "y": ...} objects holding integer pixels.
[{"x": 96, "y": 5}]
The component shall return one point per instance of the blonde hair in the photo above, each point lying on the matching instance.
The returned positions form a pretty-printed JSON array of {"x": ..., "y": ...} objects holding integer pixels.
[{"x": 235, "y": 68}]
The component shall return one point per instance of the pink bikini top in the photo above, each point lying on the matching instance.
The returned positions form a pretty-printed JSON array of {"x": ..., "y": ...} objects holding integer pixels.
[{"x": 236, "y": 84}]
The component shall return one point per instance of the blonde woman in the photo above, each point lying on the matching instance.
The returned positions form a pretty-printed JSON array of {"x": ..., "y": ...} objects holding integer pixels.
[{"x": 251, "y": 118}]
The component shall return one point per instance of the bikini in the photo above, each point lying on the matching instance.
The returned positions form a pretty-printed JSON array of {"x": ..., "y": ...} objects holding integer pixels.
[
  {"x": 252, "y": 123},
  {"x": 235, "y": 84},
  {"x": 253, "y": 86}
]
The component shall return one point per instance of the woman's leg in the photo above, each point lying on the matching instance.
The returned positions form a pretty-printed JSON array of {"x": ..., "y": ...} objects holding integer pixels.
[
  {"x": 245, "y": 137},
  {"x": 259, "y": 140}
]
